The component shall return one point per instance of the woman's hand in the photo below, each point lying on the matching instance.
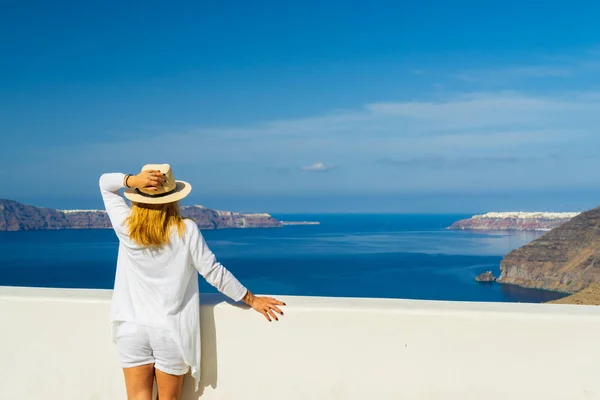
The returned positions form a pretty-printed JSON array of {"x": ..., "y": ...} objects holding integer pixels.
[
  {"x": 148, "y": 180},
  {"x": 267, "y": 306}
]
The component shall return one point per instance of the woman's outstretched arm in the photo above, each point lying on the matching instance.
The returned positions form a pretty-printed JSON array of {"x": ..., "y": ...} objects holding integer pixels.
[{"x": 218, "y": 276}]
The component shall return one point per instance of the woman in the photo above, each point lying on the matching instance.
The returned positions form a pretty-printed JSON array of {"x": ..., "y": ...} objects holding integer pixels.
[{"x": 155, "y": 305}]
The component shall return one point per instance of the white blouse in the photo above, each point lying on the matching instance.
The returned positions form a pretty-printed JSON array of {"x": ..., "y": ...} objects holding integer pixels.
[{"x": 159, "y": 287}]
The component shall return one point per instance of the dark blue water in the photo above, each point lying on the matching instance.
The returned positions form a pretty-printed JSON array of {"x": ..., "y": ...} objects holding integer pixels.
[{"x": 397, "y": 256}]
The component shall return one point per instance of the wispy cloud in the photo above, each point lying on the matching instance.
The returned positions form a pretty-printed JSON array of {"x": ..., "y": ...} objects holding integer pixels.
[
  {"x": 552, "y": 68},
  {"x": 510, "y": 74},
  {"x": 436, "y": 162},
  {"x": 488, "y": 122},
  {"x": 317, "y": 167},
  {"x": 507, "y": 132}
]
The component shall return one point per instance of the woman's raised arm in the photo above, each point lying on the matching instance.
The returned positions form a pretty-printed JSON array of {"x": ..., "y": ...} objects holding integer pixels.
[{"x": 114, "y": 203}]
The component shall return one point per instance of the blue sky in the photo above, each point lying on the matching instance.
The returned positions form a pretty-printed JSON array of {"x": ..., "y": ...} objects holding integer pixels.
[{"x": 389, "y": 106}]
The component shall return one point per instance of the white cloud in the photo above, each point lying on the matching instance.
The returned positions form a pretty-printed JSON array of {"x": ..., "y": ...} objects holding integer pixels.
[
  {"x": 476, "y": 121},
  {"x": 318, "y": 167}
]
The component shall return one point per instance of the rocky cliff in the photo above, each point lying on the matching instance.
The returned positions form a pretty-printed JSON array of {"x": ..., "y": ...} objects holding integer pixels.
[
  {"x": 86, "y": 219},
  {"x": 514, "y": 221},
  {"x": 566, "y": 259},
  {"x": 589, "y": 296},
  {"x": 15, "y": 216},
  {"x": 207, "y": 218}
]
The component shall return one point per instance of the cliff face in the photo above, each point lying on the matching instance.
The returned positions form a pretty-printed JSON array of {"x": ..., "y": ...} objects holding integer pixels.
[
  {"x": 213, "y": 219},
  {"x": 514, "y": 221},
  {"x": 15, "y": 216},
  {"x": 86, "y": 219},
  {"x": 566, "y": 259}
]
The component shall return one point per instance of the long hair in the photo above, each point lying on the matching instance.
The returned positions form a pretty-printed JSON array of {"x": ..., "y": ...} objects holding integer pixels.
[{"x": 151, "y": 225}]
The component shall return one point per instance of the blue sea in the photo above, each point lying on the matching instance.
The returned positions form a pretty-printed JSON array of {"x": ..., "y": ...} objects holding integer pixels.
[{"x": 357, "y": 255}]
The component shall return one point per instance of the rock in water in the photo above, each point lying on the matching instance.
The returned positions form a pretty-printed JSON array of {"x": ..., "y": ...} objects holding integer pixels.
[
  {"x": 566, "y": 259},
  {"x": 486, "y": 277}
]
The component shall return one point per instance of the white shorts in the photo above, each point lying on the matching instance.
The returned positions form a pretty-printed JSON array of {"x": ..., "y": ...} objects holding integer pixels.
[{"x": 140, "y": 345}]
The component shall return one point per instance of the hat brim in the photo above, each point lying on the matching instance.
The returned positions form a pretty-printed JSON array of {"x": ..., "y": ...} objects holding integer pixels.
[{"x": 182, "y": 189}]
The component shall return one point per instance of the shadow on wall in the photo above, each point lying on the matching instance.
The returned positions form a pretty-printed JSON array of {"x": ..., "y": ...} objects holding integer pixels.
[{"x": 208, "y": 338}]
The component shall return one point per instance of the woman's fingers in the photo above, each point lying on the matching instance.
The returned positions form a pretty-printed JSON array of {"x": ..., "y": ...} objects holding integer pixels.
[
  {"x": 272, "y": 314},
  {"x": 276, "y": 309},
  {"x": 154, "y": 179},
  {"x": 266, "y": 316},
  {"x": 267, "y": 306},
  {"x": 275, "y": 301}
]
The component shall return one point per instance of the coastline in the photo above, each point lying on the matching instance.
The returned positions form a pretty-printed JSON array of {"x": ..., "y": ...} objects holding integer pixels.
[
  {"x": 514, "y": 221},
  {"x": 16, "y": 216}
]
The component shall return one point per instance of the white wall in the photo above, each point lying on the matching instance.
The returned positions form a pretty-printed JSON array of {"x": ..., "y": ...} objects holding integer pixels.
[{"x": 55, "y": 344}]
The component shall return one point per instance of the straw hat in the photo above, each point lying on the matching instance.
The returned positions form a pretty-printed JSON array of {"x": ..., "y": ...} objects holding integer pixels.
[{"x": 170, "y": 191}]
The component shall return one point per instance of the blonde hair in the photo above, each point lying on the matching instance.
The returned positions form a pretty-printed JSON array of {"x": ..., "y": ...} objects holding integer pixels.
[{"x": 150, "y": 225}]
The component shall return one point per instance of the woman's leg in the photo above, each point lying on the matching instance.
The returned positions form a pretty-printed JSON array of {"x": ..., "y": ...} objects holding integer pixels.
[
  {"x": 169, "y": 386},
  {"x": 139, "y": 381},
  {"x": 135, "y": 355},
  {"x": 169, "y": 366}
]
